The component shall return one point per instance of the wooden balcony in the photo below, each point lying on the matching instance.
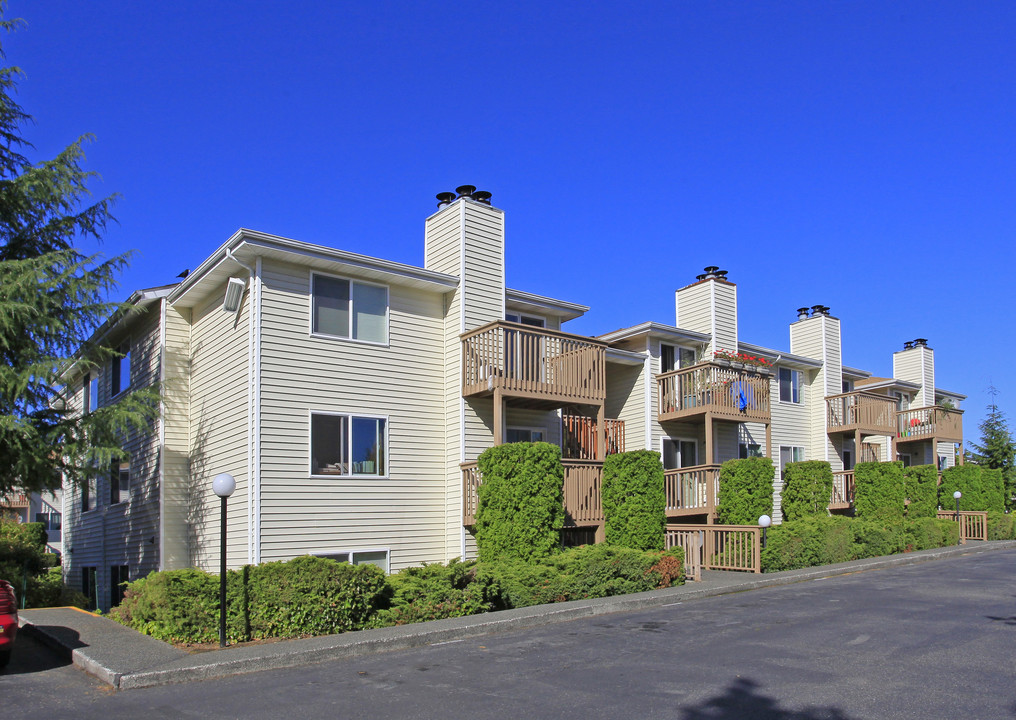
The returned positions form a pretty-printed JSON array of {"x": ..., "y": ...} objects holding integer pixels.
[
  {"x": 843, "y": 490},
  {"x": 582, "y": 486},
  {"x": 929, "y": 423},
  {"x": 727, "y": 393},
  {"x": 546, "y": 367},
  {"x": 580, "y": 439},
  {"x": 863, "y": 412},
  {"x": 691, "y": 490},
  {"x": 14, "y": 501}
]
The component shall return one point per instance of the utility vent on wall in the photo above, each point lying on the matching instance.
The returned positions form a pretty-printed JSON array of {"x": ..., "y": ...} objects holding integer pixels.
[{"x": 234, "y": 291}]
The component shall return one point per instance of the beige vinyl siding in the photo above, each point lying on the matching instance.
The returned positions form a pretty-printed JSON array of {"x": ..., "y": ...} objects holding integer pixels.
[
  {"x": 694, "y": 308},
  {"x": 917, "y": 366},
  {"x": 626, "y": 401},
  {"x": 404, "y": 382},
  {"x": 443, "y": 241},
  {"x": 218, "y": 428},
  {"x": 790, "y": 428},
  {"x": 176, "y": 552},
  {"x": 949, "y": 451},
  {"x": 725, "y": 300},
  {"x": 483, "y": 282}
]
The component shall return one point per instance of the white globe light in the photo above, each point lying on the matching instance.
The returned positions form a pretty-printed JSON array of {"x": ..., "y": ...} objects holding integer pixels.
[
  {"x": 957, "y": 495},
  {"x": 223, "y": 485},
  {"x": 765, "y": 521}
]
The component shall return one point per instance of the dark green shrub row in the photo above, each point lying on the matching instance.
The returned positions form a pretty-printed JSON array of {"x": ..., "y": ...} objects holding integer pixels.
[
  {"x": 520, "y": 501},
  {"x": 305, "y": 596},
  {"x": 824, "y": 540},
  {"x": 1001, "y": 526},
  {"x": 982, "y": 488},
  {"x": 33, "y": 572},
  {"x": 634, "y": 505},
  {"x": 746, "y": 491},
  {"x": 879, "y": 490},
  {"x": 807, "y": 488},
  {"x": 921, "y": 489},
  {"x": 316, "y": 596}
]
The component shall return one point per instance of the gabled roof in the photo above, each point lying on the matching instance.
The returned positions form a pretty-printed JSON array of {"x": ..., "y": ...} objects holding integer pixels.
[
  {"x": 657, "y": 329},
  {"x": 529, "y": 302}
]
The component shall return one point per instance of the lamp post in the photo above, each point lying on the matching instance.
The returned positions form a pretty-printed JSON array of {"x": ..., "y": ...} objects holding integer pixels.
[
  {"x": 764, "y": 522},
  {"x": 956, "y": 496},
  {"x": 223, "y": 485}
]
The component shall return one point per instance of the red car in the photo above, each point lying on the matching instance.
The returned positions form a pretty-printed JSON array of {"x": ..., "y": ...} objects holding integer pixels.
[{"x": 8, "y": 621}]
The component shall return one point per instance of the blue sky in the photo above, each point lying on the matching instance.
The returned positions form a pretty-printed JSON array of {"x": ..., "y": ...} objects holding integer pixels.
[{"x": 854, "y": 154}]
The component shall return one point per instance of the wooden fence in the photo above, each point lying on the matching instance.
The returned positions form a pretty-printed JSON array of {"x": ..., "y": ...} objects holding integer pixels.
[
  {"x": 718, "y": 547},
  {"x": 973, "y": 523}
]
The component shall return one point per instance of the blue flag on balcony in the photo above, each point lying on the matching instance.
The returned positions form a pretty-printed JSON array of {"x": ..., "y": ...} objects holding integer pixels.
[{"x": 742, "y": 394}]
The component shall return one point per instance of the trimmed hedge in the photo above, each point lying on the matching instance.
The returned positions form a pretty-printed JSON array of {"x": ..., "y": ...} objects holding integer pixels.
[
  {"x": 981, "y": 487},
  {"x": 520, "y": 501},
  {"x": 1001, "y": 526},
  {"x": 879, "y": 490},
  {"x": 819, "y": 540},
  {"x": 921, "y": 489},
  {"x": 807, "y": 488},
  {"x": 305, "y": 596},
  {"x": 746, "y": 491},
  {"x": 634, "y": 504}
]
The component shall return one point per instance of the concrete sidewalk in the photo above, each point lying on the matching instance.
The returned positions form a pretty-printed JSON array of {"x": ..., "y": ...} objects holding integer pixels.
[{"x": 127, "y": 659}]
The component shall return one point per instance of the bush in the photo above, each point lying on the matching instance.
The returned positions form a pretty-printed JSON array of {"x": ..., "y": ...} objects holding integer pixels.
[
  {"x": 879, "y": 491},
  {"x": 1001, "y": 526},
  {"x": 981, "y": 487},
  {"x": 746, "y": 491},
  {"x": 634, "y": 505},
  {"x": 520, "y": 501},
  {"x": 921, "y": 488},
  {"x": 924, "y": 533},
  {"x": 433, "y": 592},
  {"x": 34, "y": 572},
  {"x": 807, "y": 489},
  {"x": 305, "y": 596}
]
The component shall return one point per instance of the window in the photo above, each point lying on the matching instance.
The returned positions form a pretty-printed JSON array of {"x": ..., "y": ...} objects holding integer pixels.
[
  {"x": 673, "y": 357},
  {"x": 789, "y": 455},
  {"x": 904, "y": 458},
  {"x": 88, "y": 499},
  {"x": 790, "y": 385},
  {"x": 518, "y": 434},
  {"x": 88, "y": 587},
  {"x": 119, "y": 481},
  {"x": 50, "y": 520},
  {"x": 679, "y": 453},
  {"x": 362, "y": 557},
  {"x": 93, "y": 394},
  {"x": 346, "y": 309},
  {"x": 747, "y": 450},
  {"x": 848, "y": 386},
  {"x": 532, "y": 320},
  {"x": 348, "y": 445},
  {"x": 120, "y": 370},
  {"x": 687, "y": 357},
  {"x": 118, "y": 575}
]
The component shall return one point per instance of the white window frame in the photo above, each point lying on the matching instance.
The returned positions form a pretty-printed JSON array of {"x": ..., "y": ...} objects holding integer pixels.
[
  {"x": 528, "y": 428},
  {"x": 349, "y": 444},
  {"x": 799, "y": 375},
  {"x": 349, "y": 338},
  {"x": 117, "y": 363},
  {"x": 795, "y": 450},
  {"x": 677, "y": 441},
  {"x": 521, "y": 315},
  {"x": 351, "y": 556}
]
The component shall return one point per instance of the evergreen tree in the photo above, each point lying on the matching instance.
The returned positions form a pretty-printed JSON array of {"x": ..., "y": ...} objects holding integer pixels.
[
  {"x": 996, "y": 449},
  {"x": 52, "y": 297}
]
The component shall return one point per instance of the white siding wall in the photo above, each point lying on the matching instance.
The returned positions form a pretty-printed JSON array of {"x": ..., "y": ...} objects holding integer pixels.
[
  {"x": 626, "y": 400},
  {"x": 218, "y": 429},
  {"x": 917, "y": 365},
  {"x": 791, "y": 426},
  {"x": 176, "y": 451},
  {"x": 404, "y": 381}
]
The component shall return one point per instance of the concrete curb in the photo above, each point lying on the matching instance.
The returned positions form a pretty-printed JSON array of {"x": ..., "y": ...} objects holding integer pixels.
[{"x": 283, "y": 654}]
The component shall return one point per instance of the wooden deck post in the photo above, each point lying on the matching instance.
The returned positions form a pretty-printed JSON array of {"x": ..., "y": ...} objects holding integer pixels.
[
  {"x": 499, "y": 416},
  {"x": 601, "y": 433}
]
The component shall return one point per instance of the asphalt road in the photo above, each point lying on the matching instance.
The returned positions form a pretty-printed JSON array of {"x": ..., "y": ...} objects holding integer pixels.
[{"x": 933, "y": 640}]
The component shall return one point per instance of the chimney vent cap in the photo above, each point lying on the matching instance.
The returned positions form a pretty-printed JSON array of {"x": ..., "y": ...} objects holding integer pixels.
[
  {"x": 465, "y": 190},
  {"x": 482, "y": 196}
]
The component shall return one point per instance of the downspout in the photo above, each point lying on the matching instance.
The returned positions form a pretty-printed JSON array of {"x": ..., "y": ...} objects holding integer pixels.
[
  {"x": 162, "y": 434},
  {"x": 253, "y": 411}
]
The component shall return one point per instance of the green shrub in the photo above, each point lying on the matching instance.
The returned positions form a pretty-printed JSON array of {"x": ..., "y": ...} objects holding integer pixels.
[
  {"x": 746, "y": 491},
  {"x": 433, "y": 592},
  {"x": 875, "y": 537},
  {"x": 879, "y": 491},
  {"x": 520, "y": 501},
  {"x": 1001, "y": 526},
  {"x": 981, "y": 487},
  {"x": 305, "y": 596},
  {"x": 921, "y": 489},
  {"x": 634, "y": 505},
  {"x": 30, "y": 568},
  {"x": 924, "y": 533},
  {"x": 807, "y": 489},
  {"x": 812, "y": 540}
]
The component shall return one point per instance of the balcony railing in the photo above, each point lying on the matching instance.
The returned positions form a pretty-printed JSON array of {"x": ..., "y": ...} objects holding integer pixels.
[
  {"x": 726, "y": 392},
  {"x": 581, "y": 438},
  {"x": 928, "y": 422},
  {"x": 528, "y": 362},
  {"x": 867, "y": 412},
  {"x": 843, "y": 490},
  {"x": 691, "y": 490},
  {"x": 582, "y": 485},
  {"x": 14, "y": 500}
]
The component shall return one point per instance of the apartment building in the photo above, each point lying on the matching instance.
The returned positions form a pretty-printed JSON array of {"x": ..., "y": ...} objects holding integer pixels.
[{"x": 350, "y": 397}]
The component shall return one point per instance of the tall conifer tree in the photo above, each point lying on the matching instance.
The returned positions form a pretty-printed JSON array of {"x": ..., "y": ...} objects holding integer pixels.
[
  {"x": 996, "y": 449},
  {"x": 52, "y": 298}
]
